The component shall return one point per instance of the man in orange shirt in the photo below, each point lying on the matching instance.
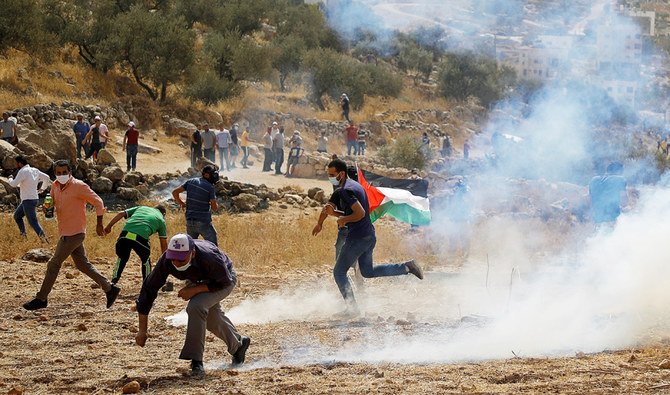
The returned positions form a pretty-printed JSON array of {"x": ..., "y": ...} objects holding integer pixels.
[{"x": 70, "y": 197}]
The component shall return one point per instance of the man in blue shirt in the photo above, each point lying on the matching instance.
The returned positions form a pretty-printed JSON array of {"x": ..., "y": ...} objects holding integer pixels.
[
  {"x": 200, "y": 202},
  {"x": 608, "y": 194},
  {"x": 210, "y": 278},
  {"x": 360, "y": 240},
  {"x": 80, "y": 129}
]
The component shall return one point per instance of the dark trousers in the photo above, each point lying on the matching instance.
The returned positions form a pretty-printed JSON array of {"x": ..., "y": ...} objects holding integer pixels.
[
  {"x": 131, "y": 156},
  {"x": 196, "y": 153},
  {"x": 80, "y": 146},
  {"x": 126, "y": 243},
  {"x": 267, "y": 161},
  {"x": 279, "y": 159},
  {"x": 209, "y": 154}
]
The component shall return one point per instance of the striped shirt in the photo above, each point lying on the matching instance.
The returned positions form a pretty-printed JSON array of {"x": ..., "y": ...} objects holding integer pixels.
[{"x": 199, "y": 193}]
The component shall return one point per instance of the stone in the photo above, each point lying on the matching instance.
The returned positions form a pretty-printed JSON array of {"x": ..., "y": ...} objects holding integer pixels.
[
  {"x": 202, "y": 162},
  {"x": 144, "y": 190},
  {"x": 131, "y": 388},
  {"x": 665, "y": 364},
  {"x": 321, "y": 196},
  {"x": 178, "y": 127},
  {"x": 114, "y": 173},
  {"x": 246, "y": 202},
  {"x": 130, "y": 194},
  {"x": 37, "y": 255},
  {"x": 313, "y": 191},
  {"x": 18, "y": 390},
  {"x": 132, "y": 179},
  {"x": 105, "y": 158},
  {"x": 7, "y": 153},
  {"x": 102, "y": 185}
]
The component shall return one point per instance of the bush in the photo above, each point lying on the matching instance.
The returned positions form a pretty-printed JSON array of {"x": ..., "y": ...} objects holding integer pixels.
[
  {"x": 209, "y": 88},
  {"x": 405, "y": 152},
  {"x": 462, "y": 76}
]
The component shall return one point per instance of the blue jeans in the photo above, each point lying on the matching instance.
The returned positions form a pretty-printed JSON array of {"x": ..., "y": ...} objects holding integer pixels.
[
  {"x": 360, "y": 249},
  {"x": 279, "y": 159},
  {"x": 209, "y": 154},
  {"x": 131, "y": 156},
  {"x": 27, "y": 209},
  {"x": 352, "y": 145},
  {"x": 206, "y": 229},
  {"x": 223, "y": 155}
]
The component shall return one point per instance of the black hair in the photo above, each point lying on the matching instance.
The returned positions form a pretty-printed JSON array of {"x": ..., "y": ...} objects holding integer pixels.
[
  {"x": 21, "y": 159},
  {"x": 615, "y": 168},
  {"x": 63, "y": 163},
  {"x": 161, "y": 208},
  {"x": 338, "y": 164}
]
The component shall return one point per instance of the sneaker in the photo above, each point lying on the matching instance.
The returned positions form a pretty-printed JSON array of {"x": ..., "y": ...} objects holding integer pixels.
[
  {"x": 112, "y": 294},
  {"x": 238, "y": 357},
  {"x": 413, "y": 268},
  {"x": 35, "y": 304},
  {"x": 197, "y": 369},
  {"x": 168, "y": 287},
  {"x": 349, "y": 313},
  {"x": 44, "y": 238}
]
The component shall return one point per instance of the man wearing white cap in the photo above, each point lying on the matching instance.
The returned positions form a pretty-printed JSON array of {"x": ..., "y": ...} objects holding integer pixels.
[
  {"x": 210, "y": 278},
  {"x": 130, "y": 145}
]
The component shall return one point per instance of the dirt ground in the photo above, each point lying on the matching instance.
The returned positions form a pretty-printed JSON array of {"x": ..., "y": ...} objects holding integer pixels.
[{"x": 77, "y": 346}]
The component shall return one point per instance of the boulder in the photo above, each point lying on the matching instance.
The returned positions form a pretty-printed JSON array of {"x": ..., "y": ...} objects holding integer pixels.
[
  {"x": 320, "y": 196},
  {"x": 130, "y": 194},
  {"x": 144, "y": 190},
  {"x": 56, "y": 143},
  {"x": 102, "y": 185},
  {"x": 10, "y": 199},
  {"x": 178, "y": 127},
  {"x": 114, "y": 173},
  {"x": 105, "y": 158},
  {"x": 7, "y": 153},
  {"x": 202, "y": 162},
  {"x": 132, "y": 179},
  {"x": 3, "y": 191},
  {"x": 246, "y": 202}
]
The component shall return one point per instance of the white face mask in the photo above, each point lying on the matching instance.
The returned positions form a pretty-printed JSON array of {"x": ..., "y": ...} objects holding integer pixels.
[
  {"x": 63, "y": 179},
  {"x": 333, "y": 180},
  {"x": 182, "y": 268}
]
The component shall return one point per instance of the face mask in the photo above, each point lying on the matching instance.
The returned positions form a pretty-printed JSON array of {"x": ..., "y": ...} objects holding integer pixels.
[
  {"x": 63, "y": 179},
  {"x": 183, "y": 268},
  {"x": 334, "y": 181}
]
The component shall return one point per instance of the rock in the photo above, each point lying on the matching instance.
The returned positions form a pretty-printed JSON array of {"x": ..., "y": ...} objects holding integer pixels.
[
  {"x": 321, "y": 197},
  {"x": 10, "y": 199},
  {"x": 7, "y": 153},
  {"x": 105, "y": 158},
  {"x": 178, "y": 127},
  {"x": 56, "y": 143},
  {"x": 313, "y": 191},
  {"x": 102, "y": 185},
  {"x": 665, "y": 364},
  {"x": 38, "y": 255},
  {"x": 132, "y": 179},
  {"x": 82, "y": 327},
  {"x": 144, "y": 190},
  {"x": 3, "y": 191},
  {"x": 202, "y": 162},
  {"x": 114, "y": 173},
  {"x": 130, "y": 194},
  {"x": 15, "y": 391},
  {"x": 246, "y": 202},
  {"x": 131, "y": 388}
]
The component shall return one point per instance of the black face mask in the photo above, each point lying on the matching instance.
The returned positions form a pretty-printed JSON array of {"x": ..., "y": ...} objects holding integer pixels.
[{"x": 213, "y": 177}]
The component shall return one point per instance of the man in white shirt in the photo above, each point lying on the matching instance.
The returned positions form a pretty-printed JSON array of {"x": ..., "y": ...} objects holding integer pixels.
[
  {"x": 223, "y": 142},
  {"x": 104, "y": 131},
  {"x": 28, "y": 179}
]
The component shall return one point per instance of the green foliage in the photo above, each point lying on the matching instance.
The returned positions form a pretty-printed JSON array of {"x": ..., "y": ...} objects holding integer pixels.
[
  {"x": 155, "y": 45},
  {"x": 209, "y": 88},
  {"x": 251, "y": 61},
  {"x": 333, "y": 73},
  {"x": 462, "y": 76},
  {"x": 21, "y": 27},
  {"x": 405, "y": 152},
  {"x": 288, "y": 52},
  {"x": 415, "y": 60}
]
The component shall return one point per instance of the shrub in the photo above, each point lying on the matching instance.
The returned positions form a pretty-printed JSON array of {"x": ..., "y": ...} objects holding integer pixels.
[
  {"x": 405, "y": 152},
  {"x": 209, "y": 88}
]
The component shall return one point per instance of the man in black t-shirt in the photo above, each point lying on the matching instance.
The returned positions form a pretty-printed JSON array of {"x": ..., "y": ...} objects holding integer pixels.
[{"x": 196, "y": 147}]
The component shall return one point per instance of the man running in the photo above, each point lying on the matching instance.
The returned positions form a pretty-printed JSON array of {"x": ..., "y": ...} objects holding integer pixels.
[
  {"x": 210, "y": 278},
  {"x": 200, "y": 202},
  {"x": 27, "y": 180},
  {"x": 142, "y": 222},
  {"x": 70, "y": 197},
  {"x": 360, "y": 240}
]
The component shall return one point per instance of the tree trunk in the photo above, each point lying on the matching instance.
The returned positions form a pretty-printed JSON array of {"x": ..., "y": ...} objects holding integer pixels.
[
  {"x": 163, "y": 92},
  {"x": 88, "y": 58},
  {"x": 282, "y": 81},
  {"x": 141, "y": 83}
]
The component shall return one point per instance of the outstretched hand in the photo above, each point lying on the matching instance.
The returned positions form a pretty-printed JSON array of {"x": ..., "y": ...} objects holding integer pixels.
[{"x": 316, "y": 230}]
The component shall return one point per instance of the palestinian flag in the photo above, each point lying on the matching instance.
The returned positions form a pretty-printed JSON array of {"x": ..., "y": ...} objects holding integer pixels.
[{"x": 405, "y": 200}]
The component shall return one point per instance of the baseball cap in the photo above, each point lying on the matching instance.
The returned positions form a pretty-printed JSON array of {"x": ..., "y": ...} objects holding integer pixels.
[
  {"x": 180, "y": 247},
  {"x": 131, "y": 124},
  {"x": 97, "y": 118},
  {"x": 274, "y": 123}
]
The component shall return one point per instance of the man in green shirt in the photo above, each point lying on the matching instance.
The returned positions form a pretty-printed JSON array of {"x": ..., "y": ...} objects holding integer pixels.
[{"x": 142, "y": 222}]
